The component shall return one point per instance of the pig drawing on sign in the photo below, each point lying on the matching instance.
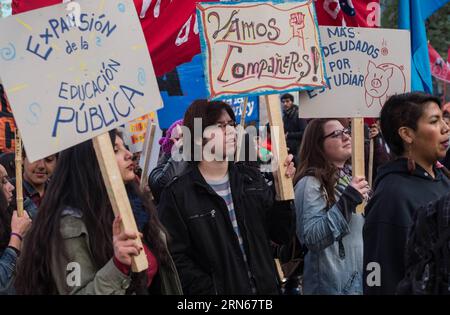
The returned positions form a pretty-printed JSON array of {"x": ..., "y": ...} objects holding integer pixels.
[{"x": 383, "y": 81}]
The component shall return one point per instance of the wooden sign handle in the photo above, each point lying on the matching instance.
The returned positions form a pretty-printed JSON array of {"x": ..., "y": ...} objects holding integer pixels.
[
  {"x": 19, "y": 187},
  {"x": 371, "y": 153},
  {"x": 148, "y": 144},
  {"x": 358, "y": 152},
  {"x": 117, "y": 193},
  {"x": 241, "y": 131},
  {"x": 283, "y": 185}
]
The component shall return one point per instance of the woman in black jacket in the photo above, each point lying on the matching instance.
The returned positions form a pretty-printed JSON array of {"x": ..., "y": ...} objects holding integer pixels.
[
  {"x": 222, "y": 215},
  {"x": 413, "y": 127}
]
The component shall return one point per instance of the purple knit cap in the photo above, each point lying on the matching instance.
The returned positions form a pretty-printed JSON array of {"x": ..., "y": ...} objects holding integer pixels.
[{"x": 165, "y": 142}]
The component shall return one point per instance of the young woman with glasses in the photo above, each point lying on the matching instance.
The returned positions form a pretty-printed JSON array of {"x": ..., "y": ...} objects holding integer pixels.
[{"x": 326, "y": 197}]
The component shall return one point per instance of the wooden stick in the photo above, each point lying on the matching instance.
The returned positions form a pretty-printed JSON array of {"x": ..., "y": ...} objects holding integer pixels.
[
  {"x": 283, "y": 185},
  {"x": 117, "y": 193},
  {"x": 358, "y": 152},
  {"x": 19, "y": 187},
  {"x": 148, "y": 144},
  {"x": 241, "y": 131},
  {"x": 280, "y": 270},
  {"x": 371, "y": 156}
]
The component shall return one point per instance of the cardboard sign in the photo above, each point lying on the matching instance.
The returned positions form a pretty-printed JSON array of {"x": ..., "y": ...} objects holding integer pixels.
[
  {"x": 74, "y": 72},
  {"x": 133, "y": 132},
  {"x": 364, "y": 67},
  {"x": 151, "y": 153},
  {"x": 260, "y": 48}
]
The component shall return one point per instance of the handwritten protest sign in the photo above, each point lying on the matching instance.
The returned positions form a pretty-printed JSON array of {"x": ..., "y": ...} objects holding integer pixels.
[
  {"x": 259, "y": 48},
  {"x": 71, "y": 76},
  {"x": 151, "y": 148},
  {"x": 364, "y": 67},
  {"x": 133, "y": 132}
]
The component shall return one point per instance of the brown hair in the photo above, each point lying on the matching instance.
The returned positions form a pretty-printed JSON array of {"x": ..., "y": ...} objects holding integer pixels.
[
  {"x": 209, "y": 112},
  {"x": 313, "y": 161}
]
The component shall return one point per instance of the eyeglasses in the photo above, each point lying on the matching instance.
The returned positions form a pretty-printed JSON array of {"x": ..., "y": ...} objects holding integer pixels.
[
  {"x": 224, "y": 125},
  {"x": 339, "y": 133}
]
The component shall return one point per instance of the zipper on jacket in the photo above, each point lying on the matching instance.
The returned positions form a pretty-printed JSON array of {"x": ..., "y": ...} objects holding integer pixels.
[{"x": 211, "y": 213}]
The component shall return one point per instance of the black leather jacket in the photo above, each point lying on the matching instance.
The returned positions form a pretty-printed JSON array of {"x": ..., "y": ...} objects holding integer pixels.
[{"x": 203, "y": 243}]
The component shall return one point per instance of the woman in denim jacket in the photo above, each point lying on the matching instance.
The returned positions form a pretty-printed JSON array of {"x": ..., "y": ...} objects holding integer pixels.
[
  {"x": 326, "y": 197},
  {"x": 12, "y": 230}
]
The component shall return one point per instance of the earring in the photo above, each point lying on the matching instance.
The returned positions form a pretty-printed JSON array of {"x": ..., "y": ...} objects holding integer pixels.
[{"x": 411, "y": 162}]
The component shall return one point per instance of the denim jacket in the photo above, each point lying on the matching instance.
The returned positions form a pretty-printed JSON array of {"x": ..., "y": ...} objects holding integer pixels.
[
  {"x": 8, "y": 260},
  {"x": 334, "y": 261}
]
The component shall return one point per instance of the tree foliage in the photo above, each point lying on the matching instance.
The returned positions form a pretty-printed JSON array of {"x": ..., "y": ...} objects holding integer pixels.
[{"x": 438, "y": 25}]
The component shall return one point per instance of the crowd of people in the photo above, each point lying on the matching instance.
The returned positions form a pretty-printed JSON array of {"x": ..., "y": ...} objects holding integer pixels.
[{"x": 210, "y": 225}]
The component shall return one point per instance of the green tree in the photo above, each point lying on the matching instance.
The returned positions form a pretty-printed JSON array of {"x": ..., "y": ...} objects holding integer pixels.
[{"x": 438, "y": 25}]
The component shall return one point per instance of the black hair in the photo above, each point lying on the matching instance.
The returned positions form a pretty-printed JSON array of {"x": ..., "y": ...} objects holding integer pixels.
[
  {"x": 7, "y": 159},
  {"x": 287, "y": 96},
  {"x": 403, "y": 110},
  {"x": 77, "y": 183},
  {"x": 209, "y": 112}
]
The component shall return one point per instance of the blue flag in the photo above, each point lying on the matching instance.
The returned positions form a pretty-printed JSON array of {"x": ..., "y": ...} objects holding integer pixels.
[{"x": 412, "y": 16}]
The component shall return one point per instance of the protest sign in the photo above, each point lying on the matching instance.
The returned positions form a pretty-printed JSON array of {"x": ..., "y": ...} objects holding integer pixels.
[
  {"x": 260, "y": 47},
  {"x": 147, "y": 153},
  {"x": 73, "y": 73},
  {"x": 364, "y": 67},
  {"x": 70, "y": 77},
  {"x": 133, "y": 132},
  {"x": 151, "y": 149}
]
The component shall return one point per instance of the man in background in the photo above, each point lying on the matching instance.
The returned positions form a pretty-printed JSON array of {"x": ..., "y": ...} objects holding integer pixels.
[{"x": 293, "y": 125}]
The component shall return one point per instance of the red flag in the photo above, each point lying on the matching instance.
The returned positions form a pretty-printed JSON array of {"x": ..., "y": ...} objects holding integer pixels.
[
  {"x": 356, "y": 13},
  {"x": 169, "y": 28},
  {"x": 440, "y": 69}
]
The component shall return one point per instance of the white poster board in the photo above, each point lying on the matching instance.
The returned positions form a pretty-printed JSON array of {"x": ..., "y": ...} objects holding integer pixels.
[
  {"x": 260, "y": 47},
  {"x": 133, "y": 132},
  {"x": 364, "y": 67},
  {"x": 73, "y": 75},
  {"x": 154, "y": 151}
]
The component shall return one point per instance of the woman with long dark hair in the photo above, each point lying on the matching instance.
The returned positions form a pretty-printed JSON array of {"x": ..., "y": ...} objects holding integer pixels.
[
  {"x": 326, "y": 197},
  {"x": 12, "y": 231},
  {"x": 76, "y": 246}
]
